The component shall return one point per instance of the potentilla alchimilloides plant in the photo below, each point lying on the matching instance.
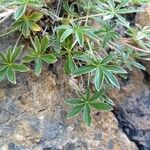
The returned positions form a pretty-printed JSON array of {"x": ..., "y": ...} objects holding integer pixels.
[{"x": 95, "y": 38}]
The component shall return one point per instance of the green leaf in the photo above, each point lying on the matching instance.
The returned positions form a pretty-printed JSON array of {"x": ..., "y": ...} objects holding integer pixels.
[
  {"x": 96, "y": 95},
  {"x": 34, "y": 27},
  {"x": 19, "y": 12},
  {"x": 108, "y": 58},
  {"x": 138, "y": 65},
  {"x": 3, "y": 57},
  {"x": 108, "y": 100},
  {"x": 11, "y": 75},
  {"x": 50, "y": 59},
  {"x": 74, "y": 102},
  {"x": 84, "y": 70},
  {"x": 38, "y": 67},
  {"x": 75, "y": 111},
  {"x": 37, "y": 44},
  {"x": 111, "y": 78},
  {"x": 3, "y": 73},
  {"x": 44, "y": 43},
  {"x": 86, "y": 115},
  {"x": 36, "y": 16},
  {"x": 99, "y": 78},
  {"x": 9, "y": 54},
  {"x": 66, "y": 34},
  {"x": 92, "y": 35},
  {"x": 70, "y": 65},
  {"x": 16, "y": 52},
  {"x": 116, "y": 69},
  {"x": 20, "y": 67},
  {"x": 80, "y": 38},
  {"x": 25, "y": 30},
  {"x": 28, "y": 58},
  {"x": 2, "y": 66},
  {"x": 101, "y": 106}
]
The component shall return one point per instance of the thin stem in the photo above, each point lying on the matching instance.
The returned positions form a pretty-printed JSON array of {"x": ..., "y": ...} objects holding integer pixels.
[
  {"x": 89, "y": 16},
  {"x": 17, "y": 41}
]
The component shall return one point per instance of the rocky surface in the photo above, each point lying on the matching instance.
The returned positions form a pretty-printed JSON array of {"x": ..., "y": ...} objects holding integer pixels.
[
  {"x": 33, "y": 117},
  {"x": 132, "y": 109},
  {"x": 143, "y": 18}
]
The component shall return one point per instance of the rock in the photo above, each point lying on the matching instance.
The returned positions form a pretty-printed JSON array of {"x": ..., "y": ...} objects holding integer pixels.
[
  {"x": 143, "y": 18},
  {"x": 38, "y": 119},
  {"x": 132, "y": 109}
]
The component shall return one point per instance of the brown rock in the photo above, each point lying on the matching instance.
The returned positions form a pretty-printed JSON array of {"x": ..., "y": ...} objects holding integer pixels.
[{"x": 143, "y": 18}]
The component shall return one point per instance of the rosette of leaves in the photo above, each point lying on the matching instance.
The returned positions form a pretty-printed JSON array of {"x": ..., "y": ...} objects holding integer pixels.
[
  {"x": 28, "y": 23},
  {"x": 102, "y": 70},
  {"x": 77, "y": 31},
  {"x": 86, "y": 101},
  {"x": 111, "y": 10},
  {"x": 9, "y": 65},
  {"x": 38, "y": 54},
  {"x": 127, "y": 56}
]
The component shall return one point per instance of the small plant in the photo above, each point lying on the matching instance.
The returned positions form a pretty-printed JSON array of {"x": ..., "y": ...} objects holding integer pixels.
[
  {"x": 27, "y": 23},
  {"x": 87, "y": 36},
  {"x": 38, "y": 55},
  {"x": 9, "y": 66},
  {"x": 87, "y": 101}
]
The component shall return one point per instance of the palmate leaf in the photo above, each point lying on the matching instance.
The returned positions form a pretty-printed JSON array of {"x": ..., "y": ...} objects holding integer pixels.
[
  {"x": 9, "y": 65},
  {"x": 86, "y": 101},
  {"x": 38, "y": 54}
]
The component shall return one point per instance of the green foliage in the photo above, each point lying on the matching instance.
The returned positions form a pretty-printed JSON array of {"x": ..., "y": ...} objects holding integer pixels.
[
  {"x": 27, "y": 23},
  {"x": 9, "y": 65},
  {"x": 96, "y": 41},
  {"x": 78, "y": 31},
  {"x": 87, "y": 101},
  {"x": 102, "y": 71},
  {"x": 22, "y": 5},
  {"x": 38, "y": 55}
]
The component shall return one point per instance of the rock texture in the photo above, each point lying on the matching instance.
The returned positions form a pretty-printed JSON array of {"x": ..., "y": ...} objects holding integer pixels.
[
  {"x": 33, "y": 117},
  {"x": 132, "y": 109},
  {"x": 143, "y": 18}
]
